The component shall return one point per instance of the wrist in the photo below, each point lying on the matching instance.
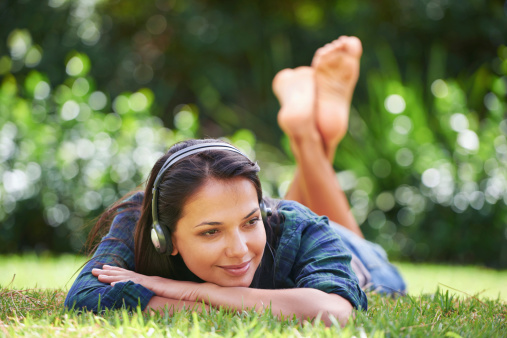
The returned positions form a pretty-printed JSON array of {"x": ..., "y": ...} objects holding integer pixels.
[{"x": 205, "y": 291}]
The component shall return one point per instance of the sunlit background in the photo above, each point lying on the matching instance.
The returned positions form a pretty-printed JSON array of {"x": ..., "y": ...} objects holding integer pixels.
[{"x": 93, "y": 92}]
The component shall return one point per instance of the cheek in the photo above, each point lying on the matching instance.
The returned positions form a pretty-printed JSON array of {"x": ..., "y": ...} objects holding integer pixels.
[
  {"x": 192, "y": 252},
  {"x": 198, "y": 263},
  {"x": 260, "y": 241}
]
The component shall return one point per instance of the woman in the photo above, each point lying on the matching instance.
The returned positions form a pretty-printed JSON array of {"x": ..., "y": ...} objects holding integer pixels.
[{"x": 197, "y": 233}]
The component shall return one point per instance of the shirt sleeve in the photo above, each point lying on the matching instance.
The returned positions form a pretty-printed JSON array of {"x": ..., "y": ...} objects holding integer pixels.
[
  {"x": 312, "y": 255},
  {"x": 117, "y": 249}
]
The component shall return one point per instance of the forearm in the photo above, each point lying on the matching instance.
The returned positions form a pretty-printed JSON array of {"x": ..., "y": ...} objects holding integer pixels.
[
  {"x": 322, "y": 189},
  {"x": 158, "y": 303},
  {"x": 305, "y": 303}
]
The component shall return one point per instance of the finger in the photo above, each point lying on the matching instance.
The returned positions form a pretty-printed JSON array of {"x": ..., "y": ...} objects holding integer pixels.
[
  {"x": 97, "y": 272},
  {"x": 111, "y": 267},
  {"x": 105, "y": 276},
  {"x": 109, "y": 279}
]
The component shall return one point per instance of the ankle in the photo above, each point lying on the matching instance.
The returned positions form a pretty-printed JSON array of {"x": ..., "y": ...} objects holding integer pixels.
[
  {"x": 296, "y": 124},
  {"x": 330, "y": 153},
  {"x": 307, "y": 139}
]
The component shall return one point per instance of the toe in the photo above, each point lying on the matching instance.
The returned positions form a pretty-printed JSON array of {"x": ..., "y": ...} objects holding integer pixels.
[
  {"x": 279, "y": 82},
  {"x": 303, "y": 70},
  {"x": 326, "y": 48},
  {"x": 340, "y": 40},
  {"x": 318, "y": 56},
  {"x": 353, "y": 46},
  {"x": 315, "y": 60},
  {"x": 340, "y": 44},
  {"x": 282, "y": 76}
]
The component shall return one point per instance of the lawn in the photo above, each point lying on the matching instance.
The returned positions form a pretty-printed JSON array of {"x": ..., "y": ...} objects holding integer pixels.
[
  {"x": 58, "y": 272},
  {"x": 470, "y": 302}
]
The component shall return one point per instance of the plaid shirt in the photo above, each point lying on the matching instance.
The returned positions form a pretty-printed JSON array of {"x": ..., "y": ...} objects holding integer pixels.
[
  {"x": 116, "y": 248},
  {"x": 309, "y": 254}
]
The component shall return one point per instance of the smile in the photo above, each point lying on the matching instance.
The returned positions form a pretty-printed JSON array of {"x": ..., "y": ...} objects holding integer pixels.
[{"x": 236, "y": 270}]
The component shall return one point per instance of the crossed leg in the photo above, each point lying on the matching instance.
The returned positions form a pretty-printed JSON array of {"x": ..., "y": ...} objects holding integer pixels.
[{"x": 314, "y": 112}]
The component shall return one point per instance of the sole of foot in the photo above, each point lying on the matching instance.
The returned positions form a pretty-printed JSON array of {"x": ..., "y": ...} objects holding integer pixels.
[
  {"x": 295, "y": 90},
  {"x": 336, "y": 72}
]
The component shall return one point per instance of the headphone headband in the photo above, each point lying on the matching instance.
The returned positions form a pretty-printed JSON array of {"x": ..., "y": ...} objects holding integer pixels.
[{"x": 179, "y": 155}]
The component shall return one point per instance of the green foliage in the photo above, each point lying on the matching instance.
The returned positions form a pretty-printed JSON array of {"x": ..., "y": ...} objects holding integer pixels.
[
  {"x": 68, "y": 155},
  {"x": 92, "y": 92},
  {"x": 426, "y": 174}
]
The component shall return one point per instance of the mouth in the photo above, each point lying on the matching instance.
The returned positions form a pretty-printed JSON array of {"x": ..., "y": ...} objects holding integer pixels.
[{"x": 236, "y": 270}]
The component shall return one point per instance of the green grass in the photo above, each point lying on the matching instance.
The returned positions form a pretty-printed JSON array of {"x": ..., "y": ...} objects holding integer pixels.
[
  {"x": 27, "y": 310},
  {"x": 459, "y": 280},
  {"x": 31, "y": 271}
]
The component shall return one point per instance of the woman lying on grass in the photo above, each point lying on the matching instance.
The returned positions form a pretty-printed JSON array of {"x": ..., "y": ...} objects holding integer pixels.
[{"x": 201, "y": 231}]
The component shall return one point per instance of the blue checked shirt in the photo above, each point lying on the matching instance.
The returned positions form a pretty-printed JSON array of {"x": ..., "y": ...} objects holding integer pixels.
[{"x": 308, "y": 254}]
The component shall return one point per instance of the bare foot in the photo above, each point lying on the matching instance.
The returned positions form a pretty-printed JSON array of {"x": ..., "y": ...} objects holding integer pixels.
[
  {"x": 336, "y": 72},
  {"x": 295, "y": 90}
]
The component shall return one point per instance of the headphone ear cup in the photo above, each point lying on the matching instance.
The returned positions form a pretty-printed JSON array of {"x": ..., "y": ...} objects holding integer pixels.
[
  {"x": 161, "y": 239},
  {"x": 265, "y": 212}
]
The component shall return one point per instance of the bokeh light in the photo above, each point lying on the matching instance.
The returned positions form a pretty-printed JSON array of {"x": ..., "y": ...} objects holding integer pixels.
[
  {"x": 75, "y": 66},
  {"x": 469, "y": 140},
  {"x": 395, "y": 104},
  {"x": 439, "y": 88}
]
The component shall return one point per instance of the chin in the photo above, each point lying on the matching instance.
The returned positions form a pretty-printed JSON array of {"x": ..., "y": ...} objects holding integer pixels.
[{"x": 237, "y": 283}]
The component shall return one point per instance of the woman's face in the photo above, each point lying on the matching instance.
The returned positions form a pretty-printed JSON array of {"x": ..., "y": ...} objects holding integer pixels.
[{"x": 220, "y": 235}]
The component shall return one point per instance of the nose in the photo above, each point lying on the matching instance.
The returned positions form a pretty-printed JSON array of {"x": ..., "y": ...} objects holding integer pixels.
[{"x": 236, "y": 245}]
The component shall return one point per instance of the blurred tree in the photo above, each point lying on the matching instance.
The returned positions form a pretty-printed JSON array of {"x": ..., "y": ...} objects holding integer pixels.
[{"x": 93, "y": 90}]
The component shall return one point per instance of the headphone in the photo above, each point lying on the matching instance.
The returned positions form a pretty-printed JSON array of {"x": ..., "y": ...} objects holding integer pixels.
[{"x": 160, "y": 235}]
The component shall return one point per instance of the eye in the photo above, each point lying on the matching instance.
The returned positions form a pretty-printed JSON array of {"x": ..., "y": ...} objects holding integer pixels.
[
  {"x": 209, "y": 233},
  {"x": 253, "y": 221}
]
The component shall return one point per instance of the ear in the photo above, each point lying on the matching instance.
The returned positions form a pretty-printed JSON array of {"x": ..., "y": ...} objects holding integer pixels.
[{"x": 175, "y": 246}]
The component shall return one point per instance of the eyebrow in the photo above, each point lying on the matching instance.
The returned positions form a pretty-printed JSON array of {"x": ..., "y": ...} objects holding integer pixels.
[{"x": 220, "y": 223}]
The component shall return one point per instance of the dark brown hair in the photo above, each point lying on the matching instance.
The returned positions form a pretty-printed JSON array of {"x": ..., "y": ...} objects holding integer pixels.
[{"x": 177, "y": 185}]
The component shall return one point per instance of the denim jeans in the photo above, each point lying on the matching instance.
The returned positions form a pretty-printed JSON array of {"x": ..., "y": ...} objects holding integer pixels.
[{"x": 385, "y": 278}]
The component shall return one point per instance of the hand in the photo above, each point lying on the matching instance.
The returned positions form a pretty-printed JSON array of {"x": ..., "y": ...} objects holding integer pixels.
[
  {"x": 114, "y": 274},
  {"x": 162, "y": 287}
]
